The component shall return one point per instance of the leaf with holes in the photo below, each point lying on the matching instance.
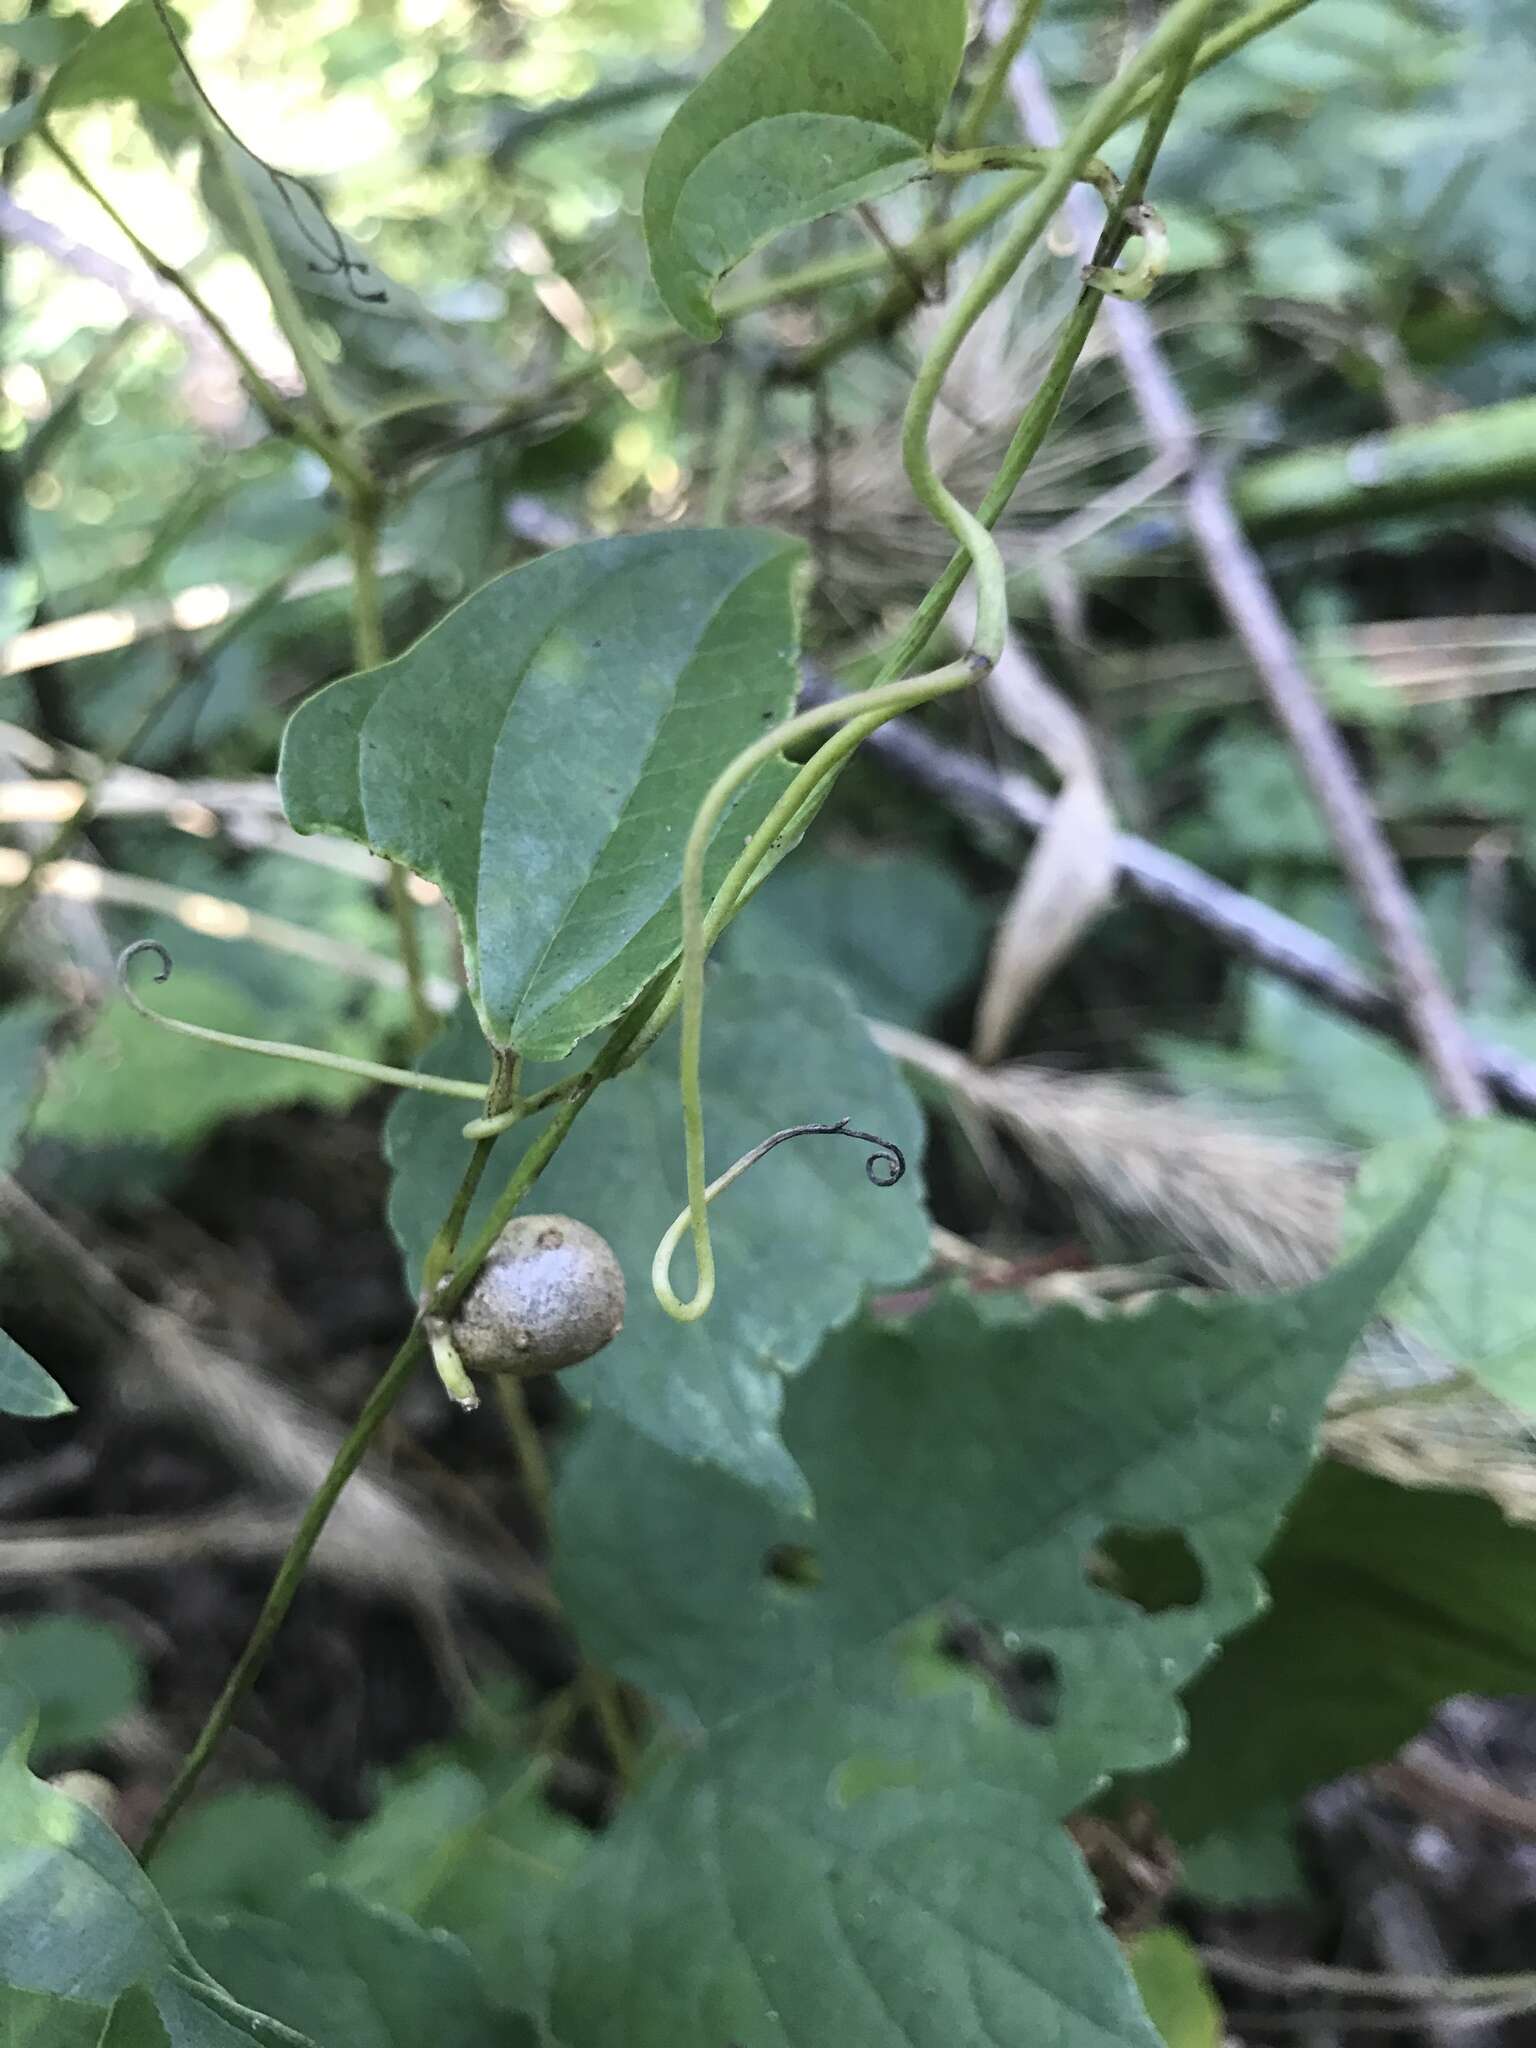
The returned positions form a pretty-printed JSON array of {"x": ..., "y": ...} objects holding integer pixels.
[
  {"x": 1465, "y": 1291},
  {"x": 541, "y": 754},
  {"x": 798, "y": 1242},
  {"x": 1384, "y": 1602},
  {"x": 824, "y": 103},
  {"x": 859, "y": 1837}
]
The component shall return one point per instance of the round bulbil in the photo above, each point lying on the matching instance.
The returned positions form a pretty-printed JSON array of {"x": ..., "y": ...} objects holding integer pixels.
[{"x": 550, "y": 1294}]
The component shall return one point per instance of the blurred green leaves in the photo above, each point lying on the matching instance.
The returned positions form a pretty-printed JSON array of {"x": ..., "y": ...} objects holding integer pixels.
[{"x": 822, "y": 104}]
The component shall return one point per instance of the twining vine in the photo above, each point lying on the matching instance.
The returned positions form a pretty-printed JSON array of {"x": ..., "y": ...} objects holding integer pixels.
[{"x": 1036, "y": 184}]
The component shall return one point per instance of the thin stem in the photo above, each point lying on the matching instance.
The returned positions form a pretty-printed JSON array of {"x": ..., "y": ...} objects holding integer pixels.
[
  {"x": 989, "y": 87},
  {"x": 532, "y": 1465},
  {"x": 286, "y": 1584},
  {"x": 279, "y": 1049},
  {"x": 1258, "y": 21},
  {"x": 280, "y": 416},
  {"x": 1167, "y": 49},
  {"x": 1040, "y": 414},
  {"x": 364, "y": 503},
  {"x": 605, "y": 1698},
  {"x": 500, "y": 1099},
  {"x": 223, "y": 143},
  {"x": 740, "y": 391},
  {"x": 375, "y": 1411}
]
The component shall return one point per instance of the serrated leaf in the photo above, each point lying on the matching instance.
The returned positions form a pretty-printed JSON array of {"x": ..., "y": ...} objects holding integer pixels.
[
  {"x": 129, "y": 57},
  {"x": 541, "y": 754},
  {"x": 1384, "y": 1602},
  {"x": 350, "y": 1975},
  {"x": 1466, "y": 1291},
  {"x": 79, "y": 1919},
  {"x": 81, "y": 1675},
  {"x": 25, "y": 1389},
  {"x": 798, "y": 1242},
  {"x": 858, "y": 1841},
  {"x": 822, "y": 104}
]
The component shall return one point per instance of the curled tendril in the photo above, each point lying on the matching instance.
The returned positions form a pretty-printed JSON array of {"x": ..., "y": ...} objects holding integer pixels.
[
  {"x": 1146, "y": 224},
  {"x": 274, "y": 1048},
  {"x": 883, "y": 1168},
  {"x": 337, "y": 262}
]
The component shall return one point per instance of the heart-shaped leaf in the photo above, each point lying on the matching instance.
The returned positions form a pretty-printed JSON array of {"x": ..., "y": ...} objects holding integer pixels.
[
  {"x": 860, "y": 1839},
  {"x": 823, "y": 104},
  {"x": 541, "y": 754}
]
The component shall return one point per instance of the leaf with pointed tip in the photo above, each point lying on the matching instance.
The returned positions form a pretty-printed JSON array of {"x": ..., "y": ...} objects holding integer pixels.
[
  {"x": 860, "y": 1837},
  {"x": 25, "y": 1389},
  {"x": 541, "y": 754},
  {"x": 822, "y": 104},
  {"x": 798, "y": 1241}
]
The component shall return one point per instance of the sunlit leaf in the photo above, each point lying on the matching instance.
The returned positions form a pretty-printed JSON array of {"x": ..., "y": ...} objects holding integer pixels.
[
  {"x": 129, "y": 57},
  {"x": 822, "y": 104},
  {"x": 541, "y": 754}
]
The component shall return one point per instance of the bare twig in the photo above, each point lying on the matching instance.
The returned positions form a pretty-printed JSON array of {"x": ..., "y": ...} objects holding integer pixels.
[
  {"x": 1244, "y": 593},
  {"x": 1252, "y": 930}
]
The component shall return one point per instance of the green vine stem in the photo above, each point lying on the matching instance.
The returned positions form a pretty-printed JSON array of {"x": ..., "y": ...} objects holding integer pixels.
[
  {"x": 348, "y": 465},
  {"x": 1170, "y": 48},
  {"x": 376, "y": 1410},
  {"x": 989, "y": 87},
  {"x": 281, "y": 417},
  {"x": 279, "y": 1049}
]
